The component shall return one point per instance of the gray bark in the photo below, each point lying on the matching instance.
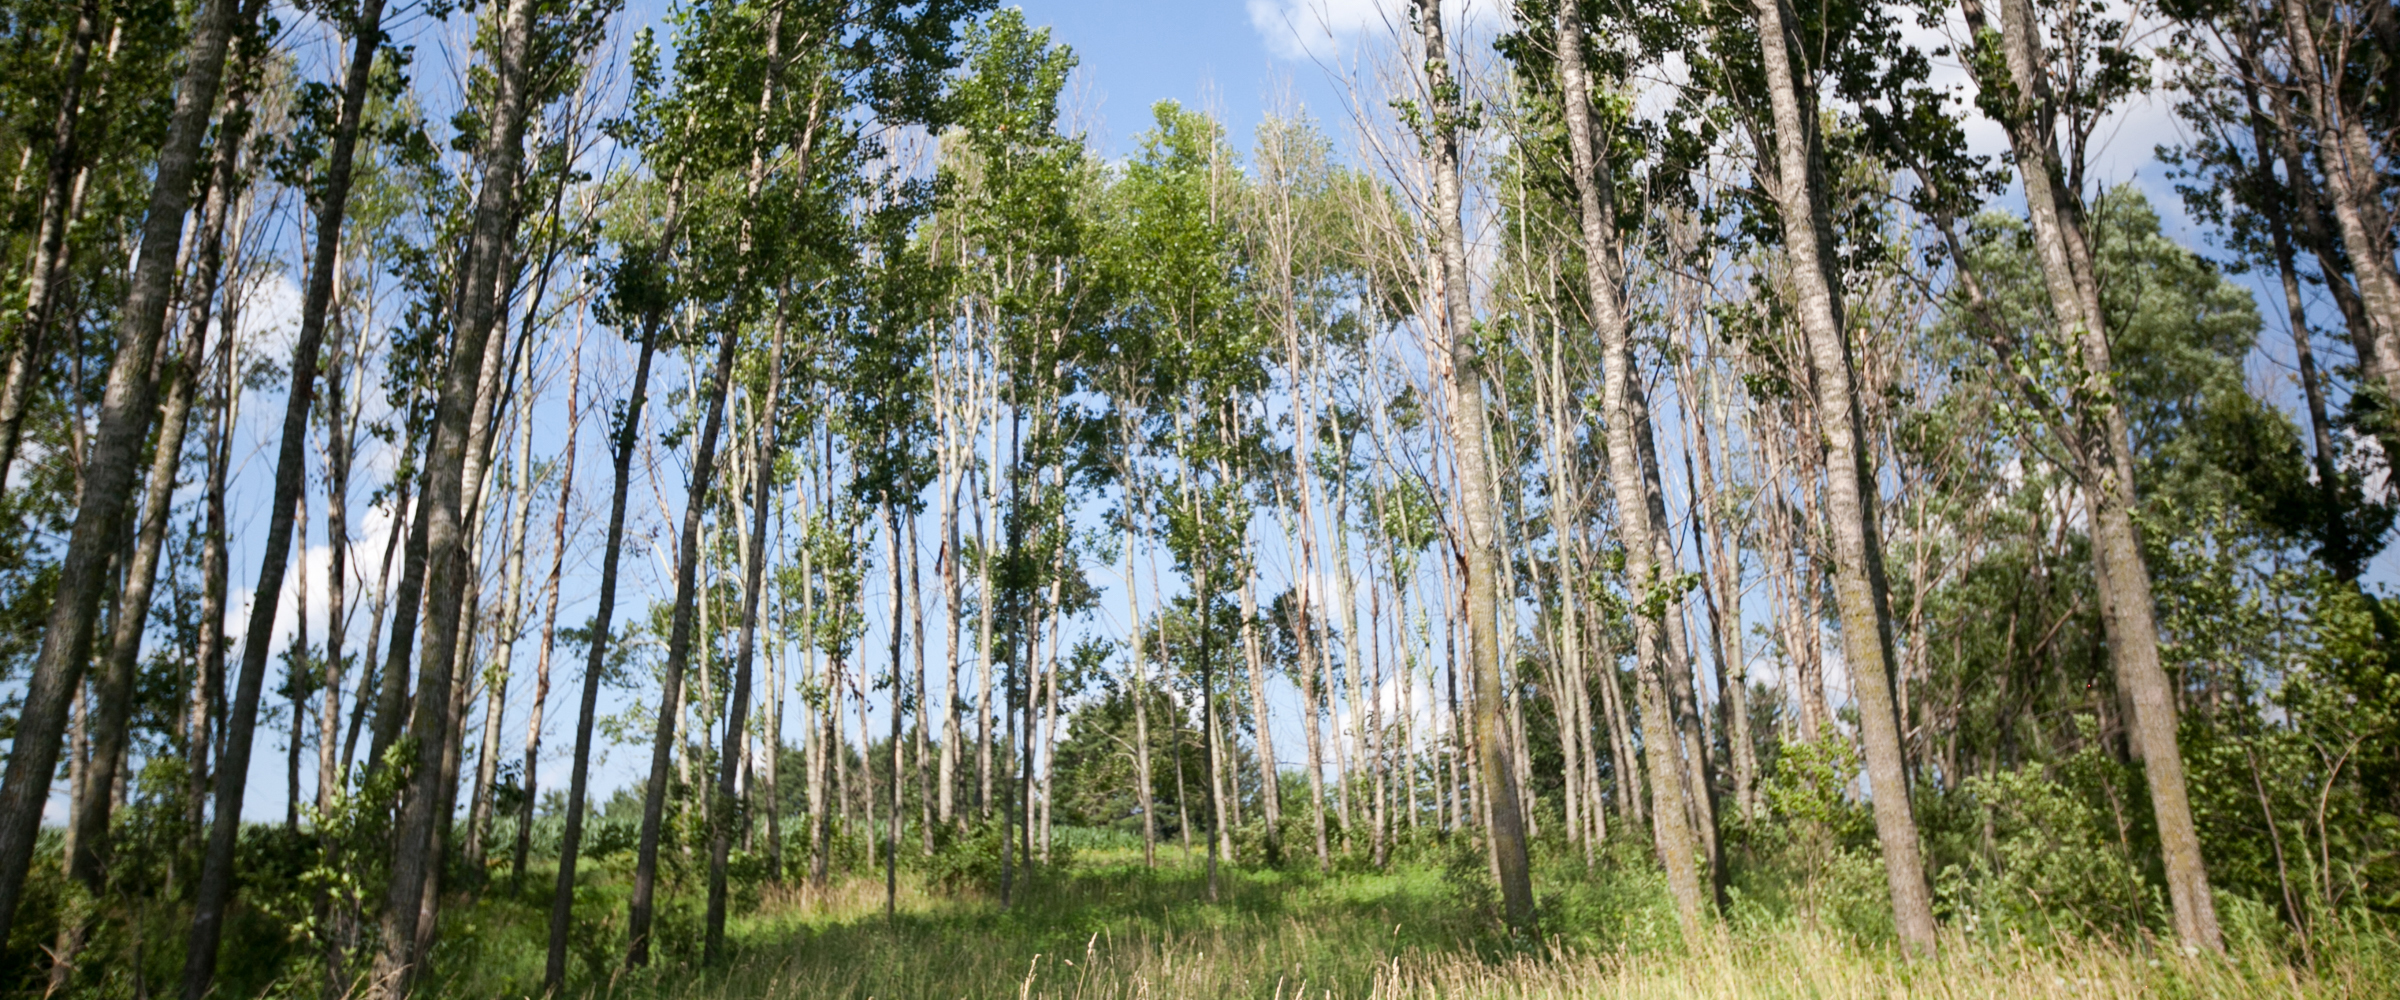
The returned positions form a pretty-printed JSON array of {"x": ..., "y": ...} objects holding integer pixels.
[
  {"x": 445, "y": 516},
  {"x": 1860, "y": 592},
  {"x": 550, "y": 588},
  {"x": 1633, "y": 473},
  {"x": 2106, "y": 472},
  {"x": 1475, "y": 483},
  {"x": 88, "y": 851},
  {"x": 25, "y": 360},
  {"x": 2354, "y": 186},
  {"x": 737, "y": 717}
]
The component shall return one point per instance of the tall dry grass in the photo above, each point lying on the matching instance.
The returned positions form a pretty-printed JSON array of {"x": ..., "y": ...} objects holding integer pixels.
[{"x": 1119, "y": 932}]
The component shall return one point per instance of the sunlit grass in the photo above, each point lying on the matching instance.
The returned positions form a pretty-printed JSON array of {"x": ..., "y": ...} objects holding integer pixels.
[{"x": 1111, "y": 928}]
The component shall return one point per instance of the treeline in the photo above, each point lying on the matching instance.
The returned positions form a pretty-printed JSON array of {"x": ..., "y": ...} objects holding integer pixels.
[{"x": 1629, "y": 445}]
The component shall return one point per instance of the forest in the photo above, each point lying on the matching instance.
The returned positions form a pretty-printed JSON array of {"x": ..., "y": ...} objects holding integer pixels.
[{"x": 747, "y": 498}]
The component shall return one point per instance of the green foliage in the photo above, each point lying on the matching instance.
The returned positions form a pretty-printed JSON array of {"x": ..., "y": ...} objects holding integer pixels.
[{"x": 2052, "y": 863}]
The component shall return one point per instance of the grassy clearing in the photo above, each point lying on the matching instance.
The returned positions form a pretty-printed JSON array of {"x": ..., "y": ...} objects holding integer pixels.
[{"x": 1110, "y": 928}]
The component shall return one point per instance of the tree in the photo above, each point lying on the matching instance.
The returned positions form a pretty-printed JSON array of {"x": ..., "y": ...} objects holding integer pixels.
[
  {"x": 1440, "y": 121},
  {"x": 2098, "y": 433},
  {"x": 111, "y": 464},
  {"x": 1861, "y": 592}
]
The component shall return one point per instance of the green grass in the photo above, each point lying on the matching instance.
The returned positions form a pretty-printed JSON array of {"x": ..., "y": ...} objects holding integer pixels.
[{"x": 1109, "y": 927}]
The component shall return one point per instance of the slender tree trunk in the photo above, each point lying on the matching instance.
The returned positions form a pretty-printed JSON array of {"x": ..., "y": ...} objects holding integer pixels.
[
  {"x": 1686, "y": 836},
  {"x": 445, "y": 517},
  {"x": 1861, "y": 593},
  {"x": 987, "y": 517},
  {"x": 208, "y": 684},
  {"x": 369, "y": 678},
  {"x": 1649, "y": 558},
  {"x": 737, "y": 718},
  {"x": 296, "y": 662},
  {"x": 113, "y": 693},
  {"x": 1720, "y": 567},
  {"x": 679, "y": 651},
  {"x": 1206, "y": 595},
  {"x": 1345, "y": 594},
  {"x": 820, "y": 806},
  {"x": 1480, "y": 508},
  {"x": 2355, "y": 186},
  {"x": 2128, "y": 612},
  {"x": 891, "y": 855},
  {"x": 916, "y": 630},
  {"x": 1140, "y": 655},
  {"x": 110, "y": 468},
  {"x": 2340, "y": 547},
  {"x": 512, "y": 614},
  {"x": 1254, "y": 655},
  {"x": 570, "y": 843},
  {"x": 1312, "y": 701},
  {"x": 771, "y": 771},
  {"x": 26, "y": 360},
  {"x": 1378, "y": 758},
  {"x": 541, "y": 668},
  {"x": 1567, "y": 669},
  {"x": 476, "y": 489},
  {"x": 2314, "y": 231},
  {"x": 1058, "y": 576},
  {"x": 953, "y": 628},
  {"x": 338, "y": 436}
]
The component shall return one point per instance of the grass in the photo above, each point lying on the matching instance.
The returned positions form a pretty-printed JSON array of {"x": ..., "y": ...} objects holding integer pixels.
[{"x": 1108, "y": 927}]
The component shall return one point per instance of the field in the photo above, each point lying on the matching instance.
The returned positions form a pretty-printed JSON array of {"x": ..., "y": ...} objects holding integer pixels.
[{"x": 1104, "y": 926}]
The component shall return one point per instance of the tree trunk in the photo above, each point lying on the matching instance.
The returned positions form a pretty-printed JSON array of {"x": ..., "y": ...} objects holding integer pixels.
[
  {"x": 1058, "y": 576},
  {"x": 679, "y": 651},
  {"x": 1345, "y": 594},
  {"x": 369, "y": 678},
  {"x": 512, "y": 612},
  {"x": 467, "y": 610},
  {"x": 1140, "y": 656},
  {"x": 987, "y": 518},
  {"x": 296, "y": 661},
  {"x": 2354, "y": 184},
  {"x": 771, "y": 769},
  {"x": 339, "y": 432},
  {"x": 541, "y": 668},
  {"x": 570, "y": 843},
  {"x": 113, "y": 694},
  {"x": 110, "y": 469},
  {"x": 1720, "y": 567},
  {"x": 1860, "y": 591},
  {"x": 2308, "y": 213},
  {"x": 208, "y": 684},
  {"x": 444, "y": 518},
  {"x": 737, "y": 718},
  {"x": 1205, "y": 597},
  {"x": 2128, "y": 613},
  {"x": 1481, "y": 510},
  {"x": 2341, "y": 549},
  {"x": 1254, "y": 654},
  {"x": 953, "y": 626},
  {"x": 900, "y": 559},
  {"x": 26, "y": 356},
  {"x": 1564, "y": 509},
  {"x": 924, "y": 705}
]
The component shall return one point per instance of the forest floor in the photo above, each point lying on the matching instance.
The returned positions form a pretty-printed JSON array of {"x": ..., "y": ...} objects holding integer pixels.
[{"x": 1108, "y": 927}]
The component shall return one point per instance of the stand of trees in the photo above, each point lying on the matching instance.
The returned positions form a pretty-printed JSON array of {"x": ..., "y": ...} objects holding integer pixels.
[{"x": 1648, "y": 436}]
